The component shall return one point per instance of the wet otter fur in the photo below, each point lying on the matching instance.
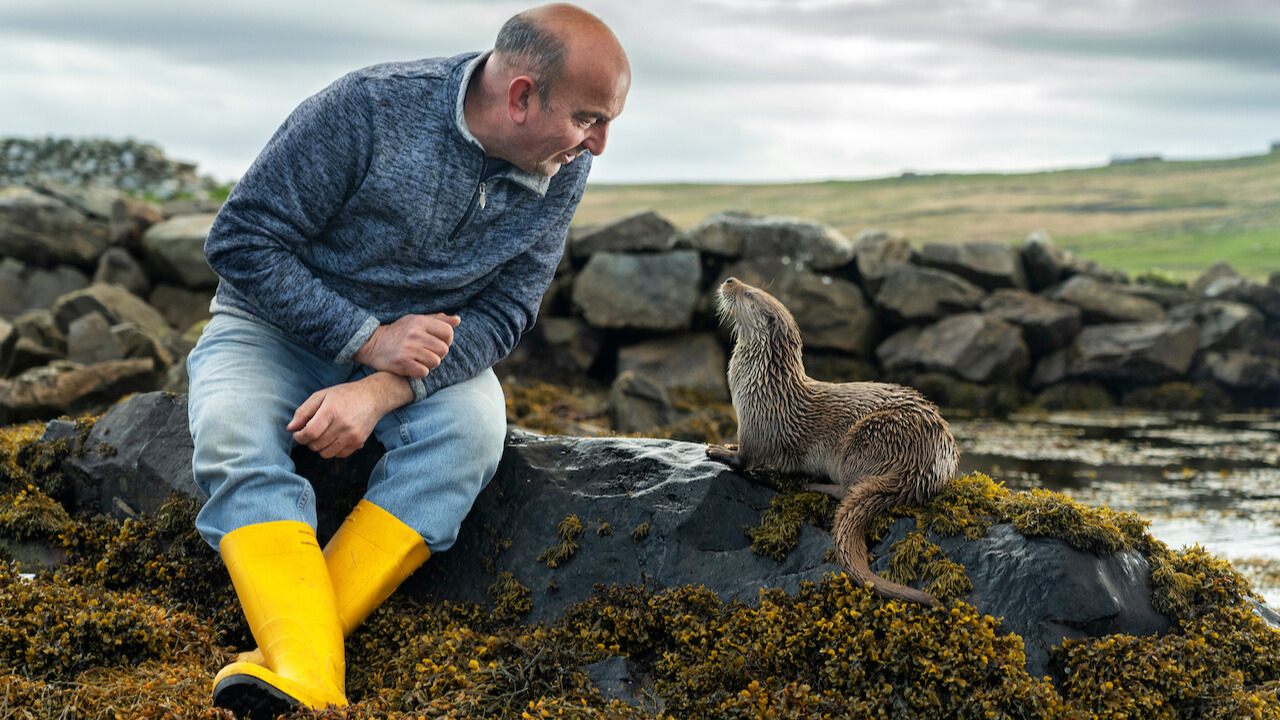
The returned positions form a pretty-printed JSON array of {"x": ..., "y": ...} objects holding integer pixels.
[{"x": 882, "y": 445}]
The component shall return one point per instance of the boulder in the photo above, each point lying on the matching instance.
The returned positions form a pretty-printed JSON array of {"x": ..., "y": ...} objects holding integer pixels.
[
  {"x": 1237, "y": 289},
  {"x": 1141, "y": 353},
  {"x": 181, "y": 306},
  {"x": 644, "y": 231},
  {"x": 1104, "y": 302},
  {"x": 45, "y": 231},
  {"x": 175, "y": 248},
  {"x": 832, "y": 313},
  {"x": 28, "y": 354},
  {"x": 988, "y": 265},
  {"x": 89, "y": 340},
  {"x": 130, "y": 219},
  {"x": 1047, "y": 264},
  {"x": 64, "y": 387},
  {"x": 136, "y": 342},
  {"x": 875, "y": 254},
  {"x": 114, "y": 302},
  {"x": 1243, "y": 370},
  {"x": 116, "y": 266},
  {"x": 1044, "y": 590},
  {"x": 26, "y": 287},
  {"x": 1046, "y": 325},
  {"x": 972, "y": 346},
  {"x": 807, "y": 244},
  {"x": 638, "y": 403},
  {"x": 1216, "y": 272},
  {"x": 642, "y": 292},
  {"x": 8, "y": 339},
  {"x": 695, "y": 361},
  {"x": 1165, "y": 297},
  {"x": 912, "y": 295},
  {"x": 39, "y": 325},
  {"x": 570, "y": 343},
  {"x": 1223, "y": 325}
]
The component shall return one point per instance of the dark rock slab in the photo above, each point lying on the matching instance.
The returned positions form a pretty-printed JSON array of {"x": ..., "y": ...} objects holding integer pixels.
[
  {"x": 643, "y": 292},
  {"x": 8, "y": 339},
  {"x": 1237, "y": 289},
  {"x": 988, "y": 265},
  {"x": 976, "y": 347},
  {"x": 876, "y": 253},
  {"x": 1216, "y": 272},
  {"x": 1223, "y": 325},
  {"x": 639, "y": 402},
  {"x": 89, "y": 340},
  {"x": 1105, "y": 302},
  {"x": 696, "y": 361},
  {"x": 114, "y": 302},
  {"x": 117, "y": 267},
  {"x": 181, "y": 307},
  {"x": 1046, "y": 325},
  {"x": 804, "y": 242},
  {"x": 696, "y": 511},
  {"x": 832, "y": 312},
  {"x": 175, "y": 249},
  {"x": 1141, "y": 353},
  {"x": 644, "y": 231},
  {"x": 912, "y": 295},
  {"x": 1045, "y": 590},
  {"x": 25, "y": 287},
  {"x": 1243, "y": 370}
]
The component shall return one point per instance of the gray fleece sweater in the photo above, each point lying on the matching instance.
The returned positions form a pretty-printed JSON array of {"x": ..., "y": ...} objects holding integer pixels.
[{"x": 370, "y": 203}]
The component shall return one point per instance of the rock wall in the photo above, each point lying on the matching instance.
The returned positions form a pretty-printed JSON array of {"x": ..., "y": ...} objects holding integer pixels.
[{"x": 102, "y": 294}]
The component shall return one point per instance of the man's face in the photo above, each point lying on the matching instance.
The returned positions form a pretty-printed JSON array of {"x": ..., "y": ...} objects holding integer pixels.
[{"x": 575, "y": 119}]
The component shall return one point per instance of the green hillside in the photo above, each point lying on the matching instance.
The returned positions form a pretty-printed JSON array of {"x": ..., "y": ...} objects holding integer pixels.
[{"x": 1178, "y": 216}]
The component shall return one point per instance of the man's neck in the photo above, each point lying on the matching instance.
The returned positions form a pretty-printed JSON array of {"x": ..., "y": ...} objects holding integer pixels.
[{"x": 477, "y": 106}]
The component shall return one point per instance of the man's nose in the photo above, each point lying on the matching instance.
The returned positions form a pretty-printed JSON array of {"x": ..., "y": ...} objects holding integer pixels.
[{"x": 597, "y": 138}]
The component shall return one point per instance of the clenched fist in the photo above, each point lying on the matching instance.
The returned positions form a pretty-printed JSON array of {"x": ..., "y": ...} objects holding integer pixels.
[{"x": 410, "y": 347}]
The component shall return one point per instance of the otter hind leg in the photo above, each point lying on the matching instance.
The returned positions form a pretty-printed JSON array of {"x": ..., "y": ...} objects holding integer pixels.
[{"x": 727, "y": 454}]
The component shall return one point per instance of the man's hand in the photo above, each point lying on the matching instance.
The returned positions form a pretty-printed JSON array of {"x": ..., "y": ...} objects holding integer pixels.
[
  {"x": 337, "y": 421},
  {"x": 411, "y": 347}
]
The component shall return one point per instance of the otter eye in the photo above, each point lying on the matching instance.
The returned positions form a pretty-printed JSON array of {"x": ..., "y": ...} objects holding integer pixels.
[{"x": 748, "y": 294}]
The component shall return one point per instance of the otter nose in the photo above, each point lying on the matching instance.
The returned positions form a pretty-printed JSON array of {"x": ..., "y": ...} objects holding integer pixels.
[{"x": 730, "y": 280}]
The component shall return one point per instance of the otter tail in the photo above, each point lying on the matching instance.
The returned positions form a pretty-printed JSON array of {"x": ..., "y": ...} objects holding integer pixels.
[{"x": 866, "y": 500}]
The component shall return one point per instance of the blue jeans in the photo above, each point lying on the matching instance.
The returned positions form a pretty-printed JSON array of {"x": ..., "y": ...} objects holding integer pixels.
[{"x": 247, "y": 379}]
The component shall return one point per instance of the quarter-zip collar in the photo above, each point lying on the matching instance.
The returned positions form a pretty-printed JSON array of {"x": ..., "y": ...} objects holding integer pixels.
[{"x": 534, "y": 183}]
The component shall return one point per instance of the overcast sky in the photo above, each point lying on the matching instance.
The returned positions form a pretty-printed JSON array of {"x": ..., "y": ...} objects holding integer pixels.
[{"x": 723, "y": 90}]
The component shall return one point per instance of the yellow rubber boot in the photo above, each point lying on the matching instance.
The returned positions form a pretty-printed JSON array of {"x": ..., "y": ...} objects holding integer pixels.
[
  {"x": 368, "y": 557},
  {"x": 283, "y": 584}
]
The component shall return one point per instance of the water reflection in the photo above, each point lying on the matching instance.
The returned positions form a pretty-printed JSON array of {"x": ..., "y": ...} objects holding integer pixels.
[{"x": 1212, "y": 481}]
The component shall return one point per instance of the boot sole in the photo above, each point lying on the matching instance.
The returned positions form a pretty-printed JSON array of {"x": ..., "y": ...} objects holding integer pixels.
[{"x": 253, "y": 698}]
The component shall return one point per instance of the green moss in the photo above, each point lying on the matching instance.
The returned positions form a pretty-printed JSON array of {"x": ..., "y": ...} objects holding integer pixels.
[{"x": 568, "y": 531}]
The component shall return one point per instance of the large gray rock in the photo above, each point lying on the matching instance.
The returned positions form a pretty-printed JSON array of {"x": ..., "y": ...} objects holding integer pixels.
[
  {"x": 1243, "y": 370},
  {"x": 1044, "y": 590},
  {"x": 876, "y": 253},
  {"x": 972, "y": 346},
  {"x": 39, "y": 325},
  {"x": 1047, "y": 264},
  {"x": 175, "y": 248},
  {"x": 29, "y": 354},
  {"x": 181, "y": 306},
  {"x": 89, "y": 340},
  {"x": 638, "y": 402},
  {"x": 45, "y": 231},
  {"x": 1238, "y": 289},
  {"x": 571, "y": 344},
  {"x": 695, "y": 361},
  {"x": 65, "y": 387},
  {"x": 644, "y": 231},
  {"x": 803, "y": 242},
  {"x": 114, "y": 302},
  {"x": 116, "y": 266},
  {"x": 1216, "y": 272},
  {"x": 138, "y": 454},
  {"x": 26, "y": 287},
  {"x": 832, "y": 313},
  {"x": 1104, "y": 302},
  {"x": 988, "y": 265},
  {"x": 643, "y": 292},
  {"x": 1142, "y": 353},
  {"x": 130, "y": 220},
  {"x": 1046, "y": 325},
  {"x": 1223, "y": 325},
  {"x": 912, "y": 295}
]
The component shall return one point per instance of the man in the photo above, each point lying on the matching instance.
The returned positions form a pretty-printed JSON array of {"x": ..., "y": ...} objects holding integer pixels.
[{"x": 389, "y": 245}]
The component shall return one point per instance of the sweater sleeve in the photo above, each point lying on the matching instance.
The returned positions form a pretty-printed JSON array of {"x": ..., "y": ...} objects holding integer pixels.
[
  {"x": 493, "y": 322},
  {"x": 315, "y": 162}
]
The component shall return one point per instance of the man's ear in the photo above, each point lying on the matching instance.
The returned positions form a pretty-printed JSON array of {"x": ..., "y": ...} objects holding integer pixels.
[{"x": 519, "y": 96}]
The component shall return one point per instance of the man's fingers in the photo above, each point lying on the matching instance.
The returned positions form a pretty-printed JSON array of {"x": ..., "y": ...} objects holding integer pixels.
[
  {"x": 305, "y": 411},
  {"x": 313, "y": 430}
]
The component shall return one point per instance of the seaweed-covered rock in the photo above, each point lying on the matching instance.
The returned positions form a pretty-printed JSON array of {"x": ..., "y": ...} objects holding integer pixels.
[
  {"x": 644, "y": 231},
  {"x": 694, "y": 513}
]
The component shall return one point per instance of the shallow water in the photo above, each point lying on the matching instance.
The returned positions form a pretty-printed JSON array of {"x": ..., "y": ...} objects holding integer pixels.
[{"x": 1212, "y": 481}]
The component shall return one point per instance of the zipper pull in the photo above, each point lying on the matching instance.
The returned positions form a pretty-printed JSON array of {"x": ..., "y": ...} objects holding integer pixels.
[{"x": 482, "y": 195}]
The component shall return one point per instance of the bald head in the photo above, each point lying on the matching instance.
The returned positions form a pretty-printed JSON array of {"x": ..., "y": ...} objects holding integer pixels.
[{"x": 551, "y": 41}]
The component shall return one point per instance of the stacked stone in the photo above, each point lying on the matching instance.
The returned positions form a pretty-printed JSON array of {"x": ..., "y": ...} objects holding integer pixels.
[
  {"x": 634, "y": 303},
  {"x": 128, "y": 166}
]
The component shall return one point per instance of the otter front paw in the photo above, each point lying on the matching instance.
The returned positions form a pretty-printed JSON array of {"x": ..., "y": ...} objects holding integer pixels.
[{"x": 727, "y": 454}]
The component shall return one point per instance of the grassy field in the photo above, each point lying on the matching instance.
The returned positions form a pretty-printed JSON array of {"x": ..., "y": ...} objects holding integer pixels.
[{"x": 1177, "y": 216}]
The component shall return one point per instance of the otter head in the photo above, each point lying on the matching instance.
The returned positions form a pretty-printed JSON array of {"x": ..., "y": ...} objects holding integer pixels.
[{"x": 756, "y": 316}]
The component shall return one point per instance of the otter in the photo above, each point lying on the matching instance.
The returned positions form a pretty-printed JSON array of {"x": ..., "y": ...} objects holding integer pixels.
[{"x": 881, "y": 445}]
